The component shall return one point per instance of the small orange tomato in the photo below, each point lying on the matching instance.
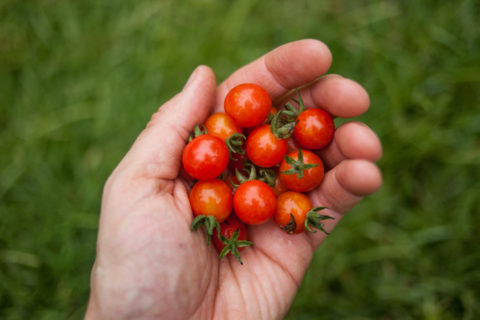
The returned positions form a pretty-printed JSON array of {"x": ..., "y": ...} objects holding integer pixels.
[
  {"x": 221, "y": 125},
  {"x": 211, "y": 198},
  {"x": 294, "y": 213},
  {"x": 292, "y": 208}
]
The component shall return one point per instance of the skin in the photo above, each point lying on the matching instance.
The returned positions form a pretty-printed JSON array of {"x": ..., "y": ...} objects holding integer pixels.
[{"x": 150, "y": 266}]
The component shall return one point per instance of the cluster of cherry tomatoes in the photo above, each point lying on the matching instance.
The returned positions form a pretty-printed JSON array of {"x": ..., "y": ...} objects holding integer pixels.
[{"x": 255, "y": 162}]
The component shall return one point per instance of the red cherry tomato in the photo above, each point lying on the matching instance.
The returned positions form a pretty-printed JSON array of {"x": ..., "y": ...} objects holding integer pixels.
[
  {"x": 221, "y": 125},
  {"x": 205, "y": 157},
  {"x": 309, "y": 178},
  {"x": 254, "y": 202},
  {"x": 248, "y": 104},
  {"x": 314, "y": 129},
  {"x": 227, "y": 228},
  {"x": 279, "y": 187},
  {"x": 264, "y": 149},
  {"x": 290, "y": 204},
  {"x": 211, "y": 198}
]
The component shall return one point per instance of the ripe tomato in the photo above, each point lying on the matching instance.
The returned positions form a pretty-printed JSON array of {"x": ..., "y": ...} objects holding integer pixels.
[
  {"x": 314, "y": 129},
  {"x": 205, "y": 157},
  {"x": 233, "y": 238},
  {"x": 248, "y": 104},
  {"x": 264, "y": 149},
  {"x": 227, "y": 228},
  {"x": 279, "y": 187},
  {"x": 211, "y": 198},
  {"x": 301, "y": 171},
  {"x": 294, "y": 213},
  {"x": 221, "y": 125},
  {"x": 254, "y": 202},
  {"x": 290, "y": 204}
]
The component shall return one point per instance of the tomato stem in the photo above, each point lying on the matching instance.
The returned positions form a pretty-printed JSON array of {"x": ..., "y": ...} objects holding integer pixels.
[
  {"x": 197, "y": 131},
  {"x": 314, "y": 219},
  {"x": 210, "y": 224},
  {"x": 290, "y": 226},
  {"x": 267, "y": 175},
  {"x": 232, "y": 245},
  {"x": 235, "y": 144},
  {"x": 252, "y": 173},
  {"x": 298, "y": 166},
  {"x": 284, "y": 121}
]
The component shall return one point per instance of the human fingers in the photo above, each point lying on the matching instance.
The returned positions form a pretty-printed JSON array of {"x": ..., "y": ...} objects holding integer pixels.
[
  {"x": 342, "y": 188},
  {"x": 287, "y": 67},
  {"x": 340, "y": 97},
  {"x": 157, "y": 151},
  {"x": 352, "y": 140}
]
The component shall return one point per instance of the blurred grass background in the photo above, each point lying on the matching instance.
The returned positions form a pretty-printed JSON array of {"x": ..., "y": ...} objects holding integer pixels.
[{"x": 79, "y": 80}]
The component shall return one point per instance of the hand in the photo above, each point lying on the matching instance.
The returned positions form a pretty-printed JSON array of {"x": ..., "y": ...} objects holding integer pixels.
[{"x": 150, "y": 265}]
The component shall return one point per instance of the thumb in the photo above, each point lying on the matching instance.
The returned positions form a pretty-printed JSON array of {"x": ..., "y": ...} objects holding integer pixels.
[{"x": 157, "y": 151}]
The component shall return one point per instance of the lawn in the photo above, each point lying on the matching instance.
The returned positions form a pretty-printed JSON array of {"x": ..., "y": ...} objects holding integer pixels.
[{"x": 79, "y": 80}]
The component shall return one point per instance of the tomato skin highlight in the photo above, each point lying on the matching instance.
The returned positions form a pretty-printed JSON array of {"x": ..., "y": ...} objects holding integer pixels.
[
  {"x": 264, "y": 149},
  {"x": 211, "y": 198},
  {"x": 311, "y": 177},
  {"x": 221, "y": 125},
  {"x": 254, "y": 202},
  {"x": 248, "y": 104},
  {"x": 294, "y": 204},
  {"x": 315, "y": 129},
  {"x": 205, "y": 157},
  {"x": 227, "y": 228}
]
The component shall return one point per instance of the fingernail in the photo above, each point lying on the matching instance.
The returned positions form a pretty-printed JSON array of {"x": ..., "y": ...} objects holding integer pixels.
[{"x": 191, "y": 78}]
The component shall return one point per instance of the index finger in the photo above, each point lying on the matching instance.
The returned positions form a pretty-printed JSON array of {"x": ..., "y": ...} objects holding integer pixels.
[{"x": 285, "y": 68}]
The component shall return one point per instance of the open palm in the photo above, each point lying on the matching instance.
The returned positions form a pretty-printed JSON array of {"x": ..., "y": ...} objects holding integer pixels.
[{"x": 149, "y": 264}]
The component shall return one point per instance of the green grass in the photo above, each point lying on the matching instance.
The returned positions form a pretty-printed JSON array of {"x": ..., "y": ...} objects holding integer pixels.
[{"x": 79, "y": 80}]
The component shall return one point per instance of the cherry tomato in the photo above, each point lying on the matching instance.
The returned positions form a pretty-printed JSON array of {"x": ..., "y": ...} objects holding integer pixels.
[
  {"x": 254, "y": 202},
  {"x": 304, "y": 177},
  {"x": 294, "y": 213},
  {"x": 227, "y": 228},
  {"x": 314, "y": 129},
  {"x": 248, "y": 104},
  {"x": 211, "y": 198},
  {"x": 264, "y": 149},
  {"x": 221, "y": 125},
  {"x": 279, "y": 187},
  {"x": 290, "y": 204},
  {"x": 205, "y": 157}
]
